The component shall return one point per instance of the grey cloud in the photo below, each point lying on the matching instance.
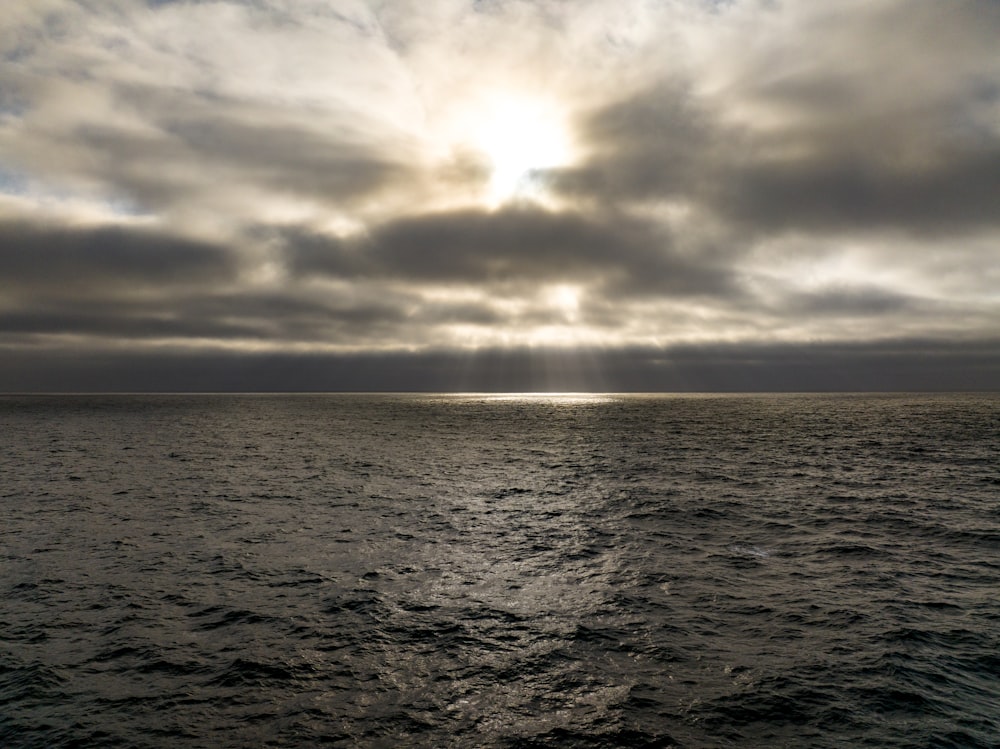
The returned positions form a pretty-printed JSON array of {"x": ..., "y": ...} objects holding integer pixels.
[
  {"x": 854, "y": 144},
  {"x": 82, "y": 113},
  {"x": 519, "y": 244},
  {"x": 451, "y": 313},
  {"x": 123, "y": 323},
  {"x": 205, "y": 144},
  {"x": 815, "y": 181},
  {"x": 136, "y": 284},
  {"x": 864, "y": 301},
  {"x": 894, "y": 365},
  {"x": 291, "y": 316},
  {"x": 288, "y": 157},
  {"x": 957, "y": 193},
  {"x": 869, "y": 119},
  {"x": 64, "y": 258},
  {"x": 243, "y": 316},
  {"x": 287, "y": 316},
  {"x": 657, "y": 143}
]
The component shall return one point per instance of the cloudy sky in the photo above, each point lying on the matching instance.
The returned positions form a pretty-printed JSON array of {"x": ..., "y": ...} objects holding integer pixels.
[{"x": 499, "y": 194}]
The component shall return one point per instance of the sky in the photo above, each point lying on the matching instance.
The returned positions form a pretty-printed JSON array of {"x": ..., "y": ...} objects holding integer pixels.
[{"x": 499, "y": 195}]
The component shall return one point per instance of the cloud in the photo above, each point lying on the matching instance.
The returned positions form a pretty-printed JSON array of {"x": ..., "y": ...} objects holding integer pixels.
[
  {"x": 858, "y": 301},
  {"x": 268, "y": 181},
  {"x": 915, "y": 364},
  {"x": 64, "y": 259},
  {"x": 202, "y": 149},
  {"x": 517, "y": 244},
  {"x": 205, "y": 112},
  {"x": 851, "y": 118},
  {"x": 652, "y": 145}
]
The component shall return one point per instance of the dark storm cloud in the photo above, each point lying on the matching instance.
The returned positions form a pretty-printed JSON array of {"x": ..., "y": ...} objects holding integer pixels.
[
  {"x": 61, "y": 259},
  {"x": 518, "y": 244}
]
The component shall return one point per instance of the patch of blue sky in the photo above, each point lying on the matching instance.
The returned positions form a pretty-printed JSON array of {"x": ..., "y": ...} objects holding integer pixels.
[
  {"x": 12, "y": 182},
  {"x": 125, "y": 207},
  {"x": 18, "y": 184}
]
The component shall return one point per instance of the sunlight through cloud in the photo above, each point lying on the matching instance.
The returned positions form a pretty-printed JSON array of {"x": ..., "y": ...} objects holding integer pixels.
[{"x": 520, "y": 137}]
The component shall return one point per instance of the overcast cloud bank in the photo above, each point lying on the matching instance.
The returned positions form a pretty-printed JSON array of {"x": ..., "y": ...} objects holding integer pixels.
[{"x": 308, "y": 195}]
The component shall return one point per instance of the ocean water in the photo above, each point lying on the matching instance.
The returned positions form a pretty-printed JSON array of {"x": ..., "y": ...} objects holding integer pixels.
[{"x": 500, "y": 571}]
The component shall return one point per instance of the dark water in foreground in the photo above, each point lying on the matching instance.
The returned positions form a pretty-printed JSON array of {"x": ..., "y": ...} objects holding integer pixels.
[{"x": 226, "y": 571}]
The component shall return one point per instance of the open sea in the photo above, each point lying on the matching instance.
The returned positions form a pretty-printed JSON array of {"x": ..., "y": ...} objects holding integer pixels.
[{"x": 500, "y": 571}]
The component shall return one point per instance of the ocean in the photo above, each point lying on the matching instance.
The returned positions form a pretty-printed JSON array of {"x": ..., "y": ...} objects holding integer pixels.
[{"x": 500, "y": 571}]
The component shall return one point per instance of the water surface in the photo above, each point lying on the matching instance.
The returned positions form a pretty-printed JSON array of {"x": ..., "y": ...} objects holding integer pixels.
[{"x": 415, "y": 570}]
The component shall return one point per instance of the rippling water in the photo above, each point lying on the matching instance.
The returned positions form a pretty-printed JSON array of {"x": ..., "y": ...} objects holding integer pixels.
[{"x": 227, "y": 571}]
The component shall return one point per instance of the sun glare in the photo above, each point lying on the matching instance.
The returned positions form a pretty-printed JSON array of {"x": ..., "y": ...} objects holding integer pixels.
[
  {"x": 520, "y": 137},
  {"x": 565, "y": 299}
]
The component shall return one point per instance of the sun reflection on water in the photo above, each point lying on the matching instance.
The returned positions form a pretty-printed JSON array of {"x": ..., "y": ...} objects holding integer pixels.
[{"x": 554, "y": 399}]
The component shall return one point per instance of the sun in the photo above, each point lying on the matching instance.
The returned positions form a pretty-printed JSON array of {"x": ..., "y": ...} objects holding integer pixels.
[
  {"x": 495, "y": 144},
  {"x": 521, "y": 137},
  {"x": 564, "y": 299}
]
